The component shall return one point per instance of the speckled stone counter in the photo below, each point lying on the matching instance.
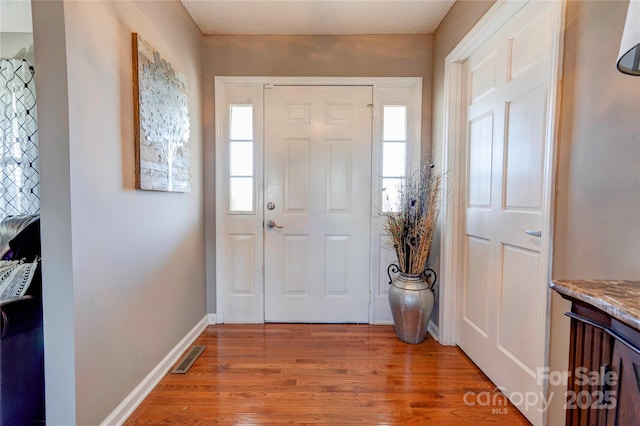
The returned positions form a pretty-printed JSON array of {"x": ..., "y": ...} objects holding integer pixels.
[{"x": 620, "y": 299}]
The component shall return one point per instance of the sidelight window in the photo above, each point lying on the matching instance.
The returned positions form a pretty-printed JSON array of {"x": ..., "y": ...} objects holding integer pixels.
[
  {"x": 394, "y": 154},
  {"x": 241, "y": 153}
]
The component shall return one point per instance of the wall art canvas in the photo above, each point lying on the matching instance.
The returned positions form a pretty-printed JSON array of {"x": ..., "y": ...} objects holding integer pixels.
[{"x": 161, "y": 121}]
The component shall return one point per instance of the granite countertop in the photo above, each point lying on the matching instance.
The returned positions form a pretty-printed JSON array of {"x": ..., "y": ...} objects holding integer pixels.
[{"x": 620, "y": 299}]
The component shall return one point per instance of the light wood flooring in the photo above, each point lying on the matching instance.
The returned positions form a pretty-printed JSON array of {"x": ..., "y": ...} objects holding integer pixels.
[{"x": 323, "y": 374}]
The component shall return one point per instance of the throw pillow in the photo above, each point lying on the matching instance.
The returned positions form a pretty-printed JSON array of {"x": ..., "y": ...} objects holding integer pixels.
[{"x": 15, "y": 278}]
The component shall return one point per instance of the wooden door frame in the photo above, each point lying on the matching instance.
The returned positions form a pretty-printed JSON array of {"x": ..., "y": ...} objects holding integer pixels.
[
  {"x": 414, "y": 151},
  {"x": 453, "y": 157}
]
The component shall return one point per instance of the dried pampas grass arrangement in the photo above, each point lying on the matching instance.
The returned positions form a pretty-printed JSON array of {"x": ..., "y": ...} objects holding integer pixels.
[{"x": 411, "y": 222}]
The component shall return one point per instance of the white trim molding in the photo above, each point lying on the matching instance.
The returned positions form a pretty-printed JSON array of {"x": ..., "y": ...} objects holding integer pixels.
[
  {"x": 135, "y": 398},
  {"x": 452, "y": 213}
]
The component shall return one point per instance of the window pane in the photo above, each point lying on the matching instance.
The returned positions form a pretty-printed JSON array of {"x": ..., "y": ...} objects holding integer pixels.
[
  {"x": 395, "y": 123},
  {"x": 242, "y": 122},
  {"x": 393, "y": 159},
  {"x": 241, "y": 154},
  {"x": 241, "y": 194},
  {"x": 390, "y": 195}
]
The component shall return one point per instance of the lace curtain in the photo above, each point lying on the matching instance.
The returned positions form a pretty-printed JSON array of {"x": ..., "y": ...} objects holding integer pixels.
[{"x": 19, "y": 171}]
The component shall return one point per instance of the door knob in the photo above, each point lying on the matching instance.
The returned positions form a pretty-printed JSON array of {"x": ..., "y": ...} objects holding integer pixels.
[
  {"x": 533, "y": 233},
  {"x": 271, "y": 224}
]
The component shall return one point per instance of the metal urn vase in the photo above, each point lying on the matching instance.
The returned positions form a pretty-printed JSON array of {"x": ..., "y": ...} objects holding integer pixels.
[{"x": 411, "y": 299}]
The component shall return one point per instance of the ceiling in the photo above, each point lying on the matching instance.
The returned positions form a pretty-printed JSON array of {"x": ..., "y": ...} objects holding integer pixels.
[
  {"x": 286, "y": 16},
  {"x": 317, "y": 16}
]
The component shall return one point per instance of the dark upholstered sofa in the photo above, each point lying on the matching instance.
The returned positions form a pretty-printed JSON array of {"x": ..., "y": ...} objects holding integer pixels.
[{"x": 21, "y": 339}]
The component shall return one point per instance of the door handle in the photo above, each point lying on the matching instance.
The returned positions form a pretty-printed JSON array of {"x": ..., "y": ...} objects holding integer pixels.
[
  {"x": 533, "y": 233},
  {"x": 271, "y": 224}
]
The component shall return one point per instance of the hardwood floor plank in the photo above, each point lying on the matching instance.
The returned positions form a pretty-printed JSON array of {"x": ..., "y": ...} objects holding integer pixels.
[{"x": 322, "y": 374}]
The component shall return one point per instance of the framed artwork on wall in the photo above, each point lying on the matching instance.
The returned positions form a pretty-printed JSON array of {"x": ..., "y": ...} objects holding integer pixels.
[{"x": 161, "y": 122}]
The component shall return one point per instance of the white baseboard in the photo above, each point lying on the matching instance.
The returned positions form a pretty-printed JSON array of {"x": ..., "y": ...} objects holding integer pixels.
[
  {"x": 434, "y": 331},
  {"x": 211, "y": 319},
  {"x": 135, "y": 398}
]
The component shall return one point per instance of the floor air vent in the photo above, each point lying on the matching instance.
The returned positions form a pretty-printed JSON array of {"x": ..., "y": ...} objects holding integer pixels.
[{"x": 188, "y": 360}]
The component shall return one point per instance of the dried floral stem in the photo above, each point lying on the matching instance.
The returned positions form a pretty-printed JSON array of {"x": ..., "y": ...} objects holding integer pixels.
[{"x": 411, "y": 226}]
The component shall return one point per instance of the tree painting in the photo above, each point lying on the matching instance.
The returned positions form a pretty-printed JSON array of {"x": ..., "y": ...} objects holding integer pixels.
[{"x": 162, "y": 122}]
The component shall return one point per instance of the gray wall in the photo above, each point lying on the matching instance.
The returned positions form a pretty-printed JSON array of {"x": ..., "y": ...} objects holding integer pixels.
[
  {"x": 315, "y": 56},
  {"x": 123, "y": 270},
  {"x": 598, "y": 181}
]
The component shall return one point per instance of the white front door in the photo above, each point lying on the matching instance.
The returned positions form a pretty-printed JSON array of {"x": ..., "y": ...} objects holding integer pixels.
[
  {"x": 317, "y": 198},
  {"x": 503, "y": 293},
  {"x": 323, "y": 165}
]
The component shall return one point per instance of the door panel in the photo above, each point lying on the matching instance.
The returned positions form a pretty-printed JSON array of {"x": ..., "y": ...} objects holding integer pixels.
[
  {"x": 480, "y": 150},
  {"x": 338, "y": 185},
  {"x": 296, "y": 179},
  {"x": 242, "y": 260},
  {"x": 475, "y": 296},
  {"x": 296, "y": 264},
  {"x": 519, "y": 316},
  {"x": 529, "y": 44},
  {"x": 318, "y": 175},
  {"x": 336, "y": 251},
  {"x": 482, "y": 78},
  {"x": 525, "y": 144}
]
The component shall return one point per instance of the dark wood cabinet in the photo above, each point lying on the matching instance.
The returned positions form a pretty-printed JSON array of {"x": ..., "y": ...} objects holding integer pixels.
[
  {"x": 604, "y": 367},
  {"x": 626, "y": 364},
  {"x": 590, "y": 351}
]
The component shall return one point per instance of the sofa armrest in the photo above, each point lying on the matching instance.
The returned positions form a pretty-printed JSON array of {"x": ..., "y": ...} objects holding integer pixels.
[{"x": 16, "y": 300}]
